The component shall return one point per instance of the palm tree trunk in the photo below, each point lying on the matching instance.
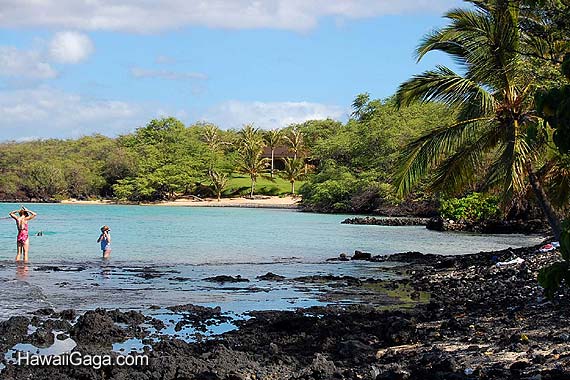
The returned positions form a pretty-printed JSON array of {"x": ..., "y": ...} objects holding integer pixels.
[
  {"x": 272, "y": 154},
  {"x": 252, "y": 186},
  {"x": 293, "y": 187},
  {"x": 544, "y": 203}
]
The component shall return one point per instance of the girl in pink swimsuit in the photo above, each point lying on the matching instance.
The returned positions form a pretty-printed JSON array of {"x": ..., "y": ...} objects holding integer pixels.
[{"x": 22, "y": 217}]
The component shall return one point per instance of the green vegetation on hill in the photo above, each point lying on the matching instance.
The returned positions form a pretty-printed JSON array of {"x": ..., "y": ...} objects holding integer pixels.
[{"x": 489, "y": 129}]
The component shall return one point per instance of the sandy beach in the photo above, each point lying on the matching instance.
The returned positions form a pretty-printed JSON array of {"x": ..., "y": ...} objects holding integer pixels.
[{"x": 262, "y": 202}]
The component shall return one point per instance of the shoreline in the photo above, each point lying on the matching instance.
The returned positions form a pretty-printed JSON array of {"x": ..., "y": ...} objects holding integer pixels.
[
  {"x": 273, "y": 202},
  {"x": 450, "y": 317}
]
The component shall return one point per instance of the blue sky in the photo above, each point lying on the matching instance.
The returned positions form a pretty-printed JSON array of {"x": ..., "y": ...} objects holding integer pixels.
[{"x": 70, "y": 68}]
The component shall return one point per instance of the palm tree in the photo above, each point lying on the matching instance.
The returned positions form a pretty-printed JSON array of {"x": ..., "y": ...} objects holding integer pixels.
[
  {"x": 250, "y": 136},
  {"x": 219, "y": 182},
  {"x": 273, "y": 138},
  {"x": 294, "y": 168},
  {"x": 211, "y": 137},
  {"x": 252, "y": 164},
  {"x": 250, "y": 151},
  {"x": 493, "y": 104},
  {"x": 295, "y": 141}
]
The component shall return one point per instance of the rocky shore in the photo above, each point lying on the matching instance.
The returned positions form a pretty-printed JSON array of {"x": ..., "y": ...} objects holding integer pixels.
[
  {"x": 518, "y": 226},
  {"x": 368, "y": 220},
  {"x": 533, "y": 226},
  {"x": 458, "y": 317}
]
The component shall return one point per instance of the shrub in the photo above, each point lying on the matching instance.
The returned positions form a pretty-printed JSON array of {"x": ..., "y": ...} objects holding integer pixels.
[{"x": 475, "y": 207}]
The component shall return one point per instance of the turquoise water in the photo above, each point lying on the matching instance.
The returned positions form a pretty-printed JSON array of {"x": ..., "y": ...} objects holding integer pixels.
[
  {"x": 181, "y": 246},
  {"x": 191, "y": 235}
]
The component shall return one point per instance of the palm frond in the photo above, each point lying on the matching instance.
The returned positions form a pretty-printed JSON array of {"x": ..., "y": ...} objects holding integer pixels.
[
  {"x": 461, "y": 168},
  {"x": 428, "y": 150},
  {"x": 445, "y": 86}
]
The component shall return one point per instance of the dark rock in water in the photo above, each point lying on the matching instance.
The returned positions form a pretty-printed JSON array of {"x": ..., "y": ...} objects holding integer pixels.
[
  {"x": 68, "y": 314},
  {"x": 97, "y": 327},
  {"x": 224, "y": 278},
  {"x": 44, "y": 311},
  {"x": 199, "y": 317},
  {"x": 414, "y": 257},
  {"x": 271, "y": 277},
  {"x": 179, "y": 279},
  {"x": 57, "y": 324},
  {"x": 53, "y": 268},
  {"x": 41, "y": 338},
  {"x": 196, "y": 309},
  {"x": 157, "y": 324},
  {"x": 386, "y": 221},
  {"x": 341, "y": 257},
  {"x": 535, "y": 226},
  {"x": 61, "y": 336},
  {"x": 131, "y": 317},
  {"x": 342, "y": 280},
  {"x": 359, "y": 255},
  {"x": 13, "y": 330}
]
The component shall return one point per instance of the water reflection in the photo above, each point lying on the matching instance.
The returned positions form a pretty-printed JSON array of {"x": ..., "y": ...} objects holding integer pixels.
[
  {"x": 105, "y": 269},
  {"x": 22, "y": 271}
]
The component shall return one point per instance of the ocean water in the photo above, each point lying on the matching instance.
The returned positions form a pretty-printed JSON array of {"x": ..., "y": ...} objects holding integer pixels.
[{"x": 161, "y": 255}]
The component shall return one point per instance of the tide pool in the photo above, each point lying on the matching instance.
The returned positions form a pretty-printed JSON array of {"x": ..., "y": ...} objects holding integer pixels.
[{"x": 162, "y": 256}]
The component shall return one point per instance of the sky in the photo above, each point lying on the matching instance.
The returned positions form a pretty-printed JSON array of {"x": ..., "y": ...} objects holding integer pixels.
[{"x": 70, "y": 68}]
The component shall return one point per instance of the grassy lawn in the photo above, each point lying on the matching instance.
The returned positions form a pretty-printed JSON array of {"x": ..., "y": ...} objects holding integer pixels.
[{"x": 239, "y": 184}]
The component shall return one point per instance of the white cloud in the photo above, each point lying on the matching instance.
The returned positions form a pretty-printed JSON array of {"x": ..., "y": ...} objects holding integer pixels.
[
  {"x": 149, "y": 16},
  {"x": 24, "y": 63},
  {"x": 138, "y": 72},
  {"x": 46, "y": 112},
  {"x": 269, "y": 115},
  {"x": 70, "y": 47},
  {"x": 165, "y": 60}
]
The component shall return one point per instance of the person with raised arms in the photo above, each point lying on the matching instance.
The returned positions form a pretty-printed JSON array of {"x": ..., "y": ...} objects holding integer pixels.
[{"x": 22, "y": 217}]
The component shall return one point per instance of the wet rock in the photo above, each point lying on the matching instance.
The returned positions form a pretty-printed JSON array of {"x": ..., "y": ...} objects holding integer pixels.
[
  {"x": 157, "y": 324},
  {"x": 271, "y": 277},
  {"x": 535, "y": 226},
  {"x": 13, "y": 330},
  {"x": 97, "y": 327},
  {"x": 68, "y": 314},
  {"x": 57, "y": 324},
  {"x": 387, "y": 221},
  {"x": 359, "y": 255},
  {"x": 341, "y": 257},
  {"x": 224, "y": 278},
  {"x": 131, "y": 317},
  {"x": 44, "y": 311},
  {"x": 41, "y": 338},
  {"x": 62, "y": 336},
  {"x": 53, "y": 268},
  {"x": 339, "y": 280},
  {"x": 179, "y": 279}
]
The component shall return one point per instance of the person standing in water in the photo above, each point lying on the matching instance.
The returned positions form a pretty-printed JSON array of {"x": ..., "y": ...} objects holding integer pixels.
[
  {"x": 105, "y": 240},
  {"x": 22, "y": 217}
]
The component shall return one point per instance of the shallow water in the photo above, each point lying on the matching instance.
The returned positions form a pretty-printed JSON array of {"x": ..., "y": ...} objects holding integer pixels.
[{"x": 184, "y": 245}]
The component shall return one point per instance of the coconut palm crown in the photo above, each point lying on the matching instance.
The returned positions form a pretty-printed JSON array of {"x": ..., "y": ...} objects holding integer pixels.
[{"x": 492, "y": 97}]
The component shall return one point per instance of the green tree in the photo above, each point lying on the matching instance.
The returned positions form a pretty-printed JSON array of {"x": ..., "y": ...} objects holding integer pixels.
[
  {"x": 44, "y": 180},
  {"x": 295, "y": 141},
  {"x": 250, "y": 151},
  {"x": 294, "y": 169},
  {"x": 493, "y": 99},
  {"x": 219, "y": 182},
  {"x": 273, "y": 139}
]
